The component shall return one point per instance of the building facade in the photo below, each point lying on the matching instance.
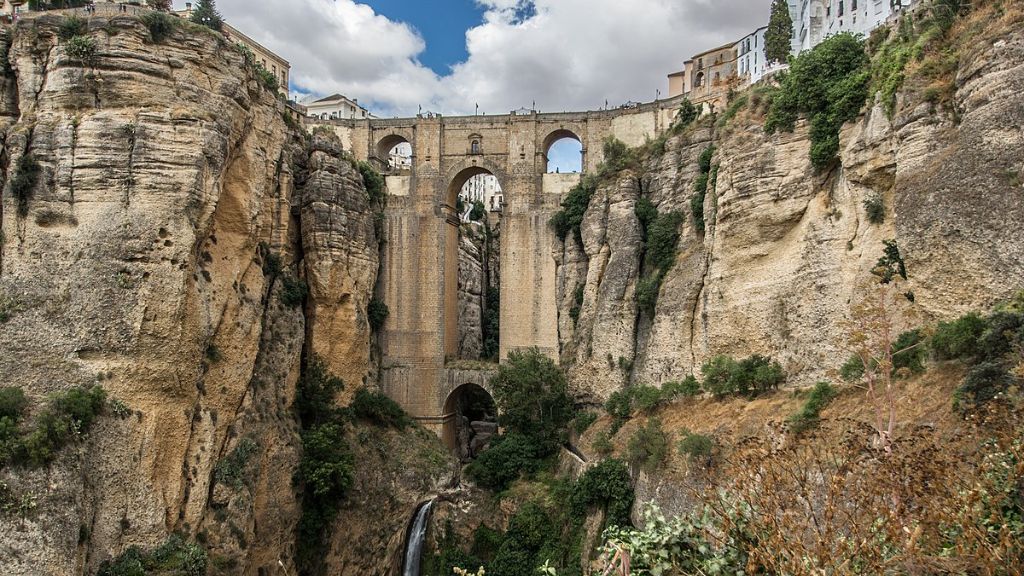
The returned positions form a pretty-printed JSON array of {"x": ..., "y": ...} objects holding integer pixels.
[
  {"x": 707, "y": 77},
  {"x": 815, "y": 20},
  {"x": 483, "y": 188},
  {"x": 751, "y": 61},
  {"x": 337, "y": 107}
]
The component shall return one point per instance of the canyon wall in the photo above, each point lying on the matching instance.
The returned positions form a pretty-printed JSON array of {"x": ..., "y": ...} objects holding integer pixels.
[
  {"x": 787, "y": 250},
  {"x": 165, "y": 252}
]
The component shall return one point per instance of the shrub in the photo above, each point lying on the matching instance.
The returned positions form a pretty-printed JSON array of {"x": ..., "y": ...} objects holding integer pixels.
[
  {"x": 584, "y": 420},
  {"x": 1004, "y": 334},
  {"x": 647, "y": 290},
  {"x": 164, "y": 5},
  {"x": 315, "y": 392},
  {"x": 327, "y": 464},
  {"x": 698, "y": 448},
  {"x": 81, "y": 48},
  {"x": 532, "y": 398},
  {"x": 617, "y": 155},
  {"x": 827, "y": 84},
  {"x": 377, "y": 408},
  {"x": 293, "y": 291},
  {"x": 229, "y": 470},
  {"x": 374, "y": 182},
  {"x": 607, "y": 485},
  {"x": 662, "y": 238},
  {"x": 67, "y": 416},
  {"x": 687, "y": 114},
  {"x": 377, "y": 312},
  {"x": 648, "y": 446},
  {"x": 909, "y": 352},
  {"x": 71, "y": 26},
  {"x": 852, "y": 370},
  {"x": 620, "y": 407},
  {"x": 119, "y": 408},
  {"x": 700, "y": 187},
  {"x": 603, "y": 443},
  {"x": 646, "y": 213},
  {"x": 718, "y": 375},
  {"x": 326, "y": 468},
  {"x": 821, "y": 395},
  {"x": 984, "y": 383},
  {"x": 12, "y": 403},
  {"x": 890, "y": 264},
  {"x": 160, "y": 24},
  {"x": 758, "y": 374},
  {"x": 647, "y": 397},
  {"x": 267, "y": 79},
  {"x": 874, "y": 207},
  {"x": 175, "y": 556},
  {"x": 26, "y": 177},
  {"x": 735, "y": 105},
  {"x": 508, "y": 457},
  {"x": 577, "y": 304},
  {"x": 574, "y": 207},
  {"x": 688, "y": 387},
  {"x": 478, "y": 212},
  {"x": 959, "y": 339}
]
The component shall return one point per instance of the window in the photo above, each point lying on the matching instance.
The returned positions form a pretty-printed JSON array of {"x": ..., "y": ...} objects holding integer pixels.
[
  {"x": 841, "y": 10},
  {"x": 853, "y": 4},
  {"x": 474, "y": 147}
]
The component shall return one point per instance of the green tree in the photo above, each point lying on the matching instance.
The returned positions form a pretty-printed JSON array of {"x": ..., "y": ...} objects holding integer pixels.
[
  {"x": 777, "y": 38},
  {"x": 532, "y": 397},
  {"x": 206, "y": 14}
]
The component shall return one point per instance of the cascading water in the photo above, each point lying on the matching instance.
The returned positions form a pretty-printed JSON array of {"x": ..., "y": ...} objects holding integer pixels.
[{"x": 414, "y": 543}]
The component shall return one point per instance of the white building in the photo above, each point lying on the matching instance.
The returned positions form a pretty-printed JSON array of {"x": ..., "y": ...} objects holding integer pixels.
[
  {"x": 483, "y": 188},
  {"x": 750, "y": 56},
  {"x": 336, "y": 107},
  {"x": 815, "y": 20}
]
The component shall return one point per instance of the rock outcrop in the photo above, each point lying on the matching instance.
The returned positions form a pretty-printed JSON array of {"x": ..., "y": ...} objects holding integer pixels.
[{"x": 163, "y": 250}]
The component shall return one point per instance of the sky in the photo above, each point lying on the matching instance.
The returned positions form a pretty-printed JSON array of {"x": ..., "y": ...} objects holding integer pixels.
[{"x": 450, "y": 56}]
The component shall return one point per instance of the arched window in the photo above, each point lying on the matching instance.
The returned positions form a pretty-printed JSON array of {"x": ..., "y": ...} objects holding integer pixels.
[
  {"x": 698, "y": 80},
  {"x": 474, "y": 147}
]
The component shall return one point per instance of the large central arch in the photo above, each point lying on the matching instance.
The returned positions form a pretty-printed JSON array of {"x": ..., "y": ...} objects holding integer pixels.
[{"x": 451, "y": 270}]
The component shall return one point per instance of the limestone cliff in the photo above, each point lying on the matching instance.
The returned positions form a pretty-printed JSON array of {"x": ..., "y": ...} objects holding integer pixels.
[
  {"x": 162, "y": 250},
  {"x": 786, "y": 249}
]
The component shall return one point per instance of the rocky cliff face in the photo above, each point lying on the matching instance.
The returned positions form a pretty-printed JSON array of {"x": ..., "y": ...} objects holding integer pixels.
[
  {"x": 786, "y": 249},
  {"x": 160, "y": 252}
]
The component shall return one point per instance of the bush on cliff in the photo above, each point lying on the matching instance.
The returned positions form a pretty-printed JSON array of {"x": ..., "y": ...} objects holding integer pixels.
[
  {"x": 377, "y": 408},
  {"x": 160, "y": 25},
  {"x": 574, "y": 206},
  {"x": 532, "y": 397},
  {"x": 327, "y": 466},
  {"x": 828, "y": 85},
  {"x": 175, "y": 556}
]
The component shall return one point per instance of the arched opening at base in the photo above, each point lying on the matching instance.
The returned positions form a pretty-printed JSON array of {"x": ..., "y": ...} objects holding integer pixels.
[{"x": 470, "y": 421}]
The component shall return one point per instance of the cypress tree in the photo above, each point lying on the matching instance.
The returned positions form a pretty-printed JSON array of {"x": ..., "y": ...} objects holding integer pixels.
[
  {"x": 206, "y": 14},
  {"x": 778, "y": 36}
]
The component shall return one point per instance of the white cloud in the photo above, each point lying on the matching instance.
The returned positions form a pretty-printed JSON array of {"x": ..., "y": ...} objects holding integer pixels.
[{"x": 563, "y": 54}]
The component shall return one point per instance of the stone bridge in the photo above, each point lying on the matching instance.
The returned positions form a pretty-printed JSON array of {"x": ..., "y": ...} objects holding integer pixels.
[{"x": 419, "y": 266}]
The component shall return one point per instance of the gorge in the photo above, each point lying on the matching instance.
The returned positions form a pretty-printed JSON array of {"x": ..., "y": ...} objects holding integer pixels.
[{"x": 292, "y": 339}]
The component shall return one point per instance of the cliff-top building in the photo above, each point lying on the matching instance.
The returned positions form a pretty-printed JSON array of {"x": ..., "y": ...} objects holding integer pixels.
[{"x": 336, "y": 107}]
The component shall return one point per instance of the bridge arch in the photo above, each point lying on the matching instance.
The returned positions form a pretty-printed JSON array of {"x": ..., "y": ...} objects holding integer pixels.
[
  {"x": 470, "y": 419},
  {"x": 386, "y": 144},
  {"x": 555, "y": 137}
]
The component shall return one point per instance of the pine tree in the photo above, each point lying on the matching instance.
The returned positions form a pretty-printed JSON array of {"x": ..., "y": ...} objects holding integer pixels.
[
  {"x": 206, "y": 14},
  {"x": 778, "y": 37}
]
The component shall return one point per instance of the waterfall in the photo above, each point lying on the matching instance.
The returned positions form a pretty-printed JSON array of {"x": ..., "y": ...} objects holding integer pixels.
[{"x": 414, "y": 542}]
